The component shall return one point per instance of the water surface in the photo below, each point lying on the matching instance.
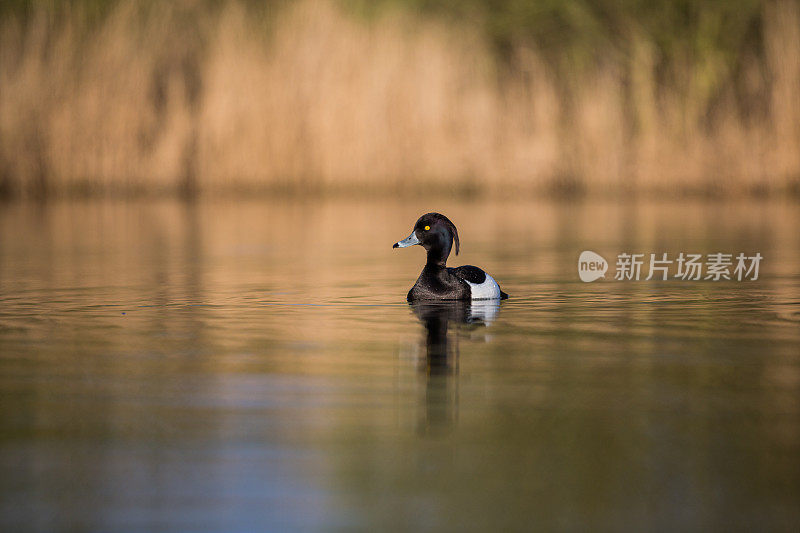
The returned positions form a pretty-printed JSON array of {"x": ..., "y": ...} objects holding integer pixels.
[{"x": 254, "y": 366}]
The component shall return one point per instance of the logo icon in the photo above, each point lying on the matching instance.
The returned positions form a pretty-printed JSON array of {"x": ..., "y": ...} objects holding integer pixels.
[{"x": 591, "y": 266}]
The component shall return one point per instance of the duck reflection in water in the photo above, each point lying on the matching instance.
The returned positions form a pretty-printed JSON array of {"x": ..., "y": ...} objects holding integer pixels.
[{"x": 442, "y": 352}]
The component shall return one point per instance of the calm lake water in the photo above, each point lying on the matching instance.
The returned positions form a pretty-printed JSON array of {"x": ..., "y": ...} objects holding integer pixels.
[{"x": 255, "y": 366}]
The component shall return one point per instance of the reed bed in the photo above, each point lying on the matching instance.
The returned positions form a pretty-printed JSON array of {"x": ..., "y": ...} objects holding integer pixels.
[{"x": 189, "y": 99}]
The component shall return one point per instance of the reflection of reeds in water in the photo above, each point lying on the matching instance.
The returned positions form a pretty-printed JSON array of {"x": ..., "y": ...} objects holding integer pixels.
[{"x": 165, "y": 99}]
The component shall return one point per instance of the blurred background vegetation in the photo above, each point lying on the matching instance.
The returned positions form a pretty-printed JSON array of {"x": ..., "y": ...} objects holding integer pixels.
[{"x": 467, "y": 97}]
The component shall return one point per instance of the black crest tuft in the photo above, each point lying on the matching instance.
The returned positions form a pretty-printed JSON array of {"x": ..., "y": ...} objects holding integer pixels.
[{"x": 432, "y": 218}]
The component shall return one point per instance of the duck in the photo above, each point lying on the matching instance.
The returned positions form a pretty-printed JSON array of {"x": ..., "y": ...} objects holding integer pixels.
[{"x": 436, "y": 233}]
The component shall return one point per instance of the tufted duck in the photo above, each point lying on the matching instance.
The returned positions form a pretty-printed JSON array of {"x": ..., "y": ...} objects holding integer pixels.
[{"x": 436, "y": 234}]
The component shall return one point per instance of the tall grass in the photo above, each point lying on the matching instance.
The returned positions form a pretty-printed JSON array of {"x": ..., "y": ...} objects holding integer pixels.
[{"x": 164, "y": 98}]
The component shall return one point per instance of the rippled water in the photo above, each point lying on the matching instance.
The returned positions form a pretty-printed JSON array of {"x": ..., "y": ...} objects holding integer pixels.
[{"x": 254, "y": 366}]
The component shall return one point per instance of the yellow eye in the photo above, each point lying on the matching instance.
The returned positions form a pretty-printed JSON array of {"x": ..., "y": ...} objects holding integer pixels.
[{"x": 427, "y": 228}]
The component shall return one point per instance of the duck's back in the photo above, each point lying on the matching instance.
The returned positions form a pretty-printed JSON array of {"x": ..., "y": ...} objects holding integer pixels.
[{"x": 482, "y": 285}]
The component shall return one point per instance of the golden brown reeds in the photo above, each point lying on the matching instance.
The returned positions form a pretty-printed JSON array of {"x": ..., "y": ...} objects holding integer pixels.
[{"x": 168, "y": 99}]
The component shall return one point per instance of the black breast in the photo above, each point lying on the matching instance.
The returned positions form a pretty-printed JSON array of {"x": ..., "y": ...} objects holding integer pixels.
[{"x": 440, "y": 283}]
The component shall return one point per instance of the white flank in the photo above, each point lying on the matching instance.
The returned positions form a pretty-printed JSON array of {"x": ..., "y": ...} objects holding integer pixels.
[{"x": 488, "y": 290}]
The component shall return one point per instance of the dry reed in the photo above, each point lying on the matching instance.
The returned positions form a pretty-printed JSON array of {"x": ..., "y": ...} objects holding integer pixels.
[{"x": 176, "y": 99}]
